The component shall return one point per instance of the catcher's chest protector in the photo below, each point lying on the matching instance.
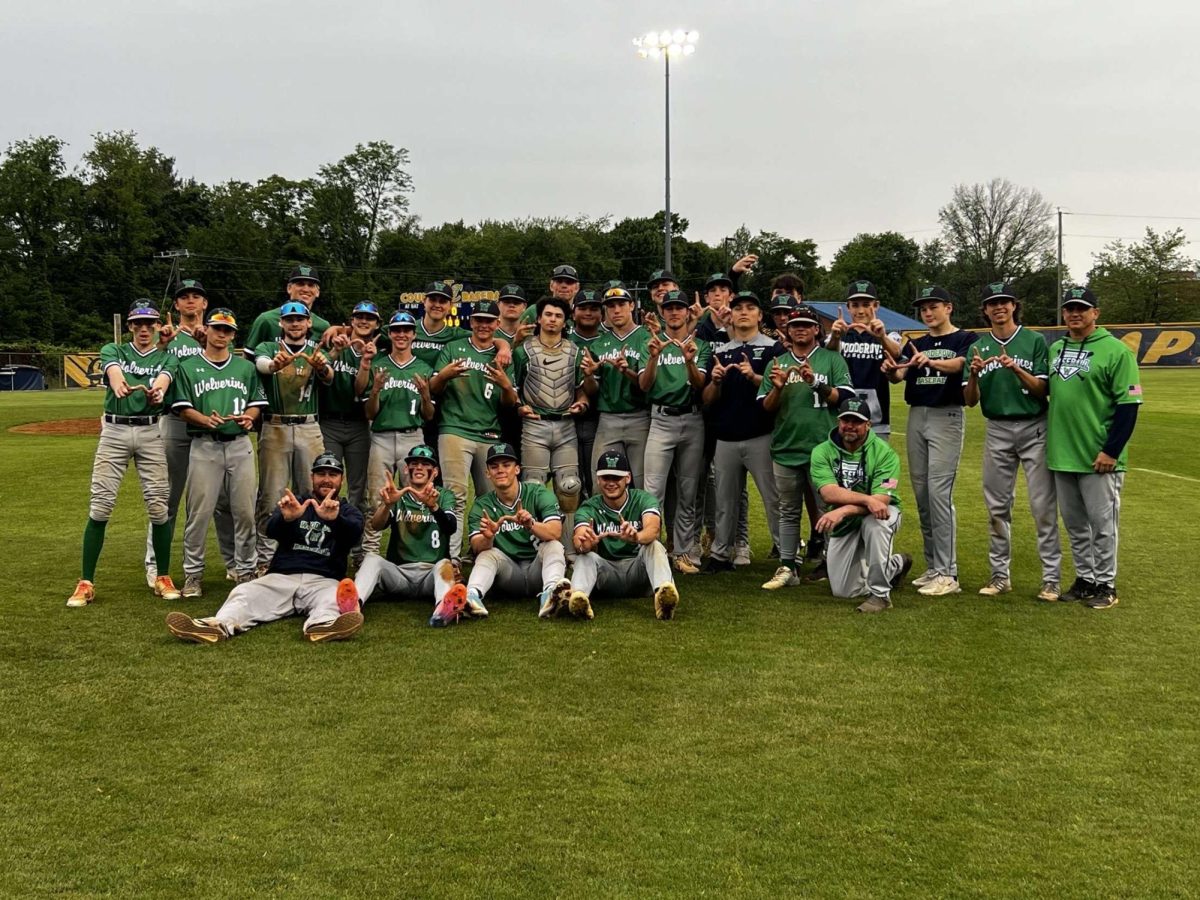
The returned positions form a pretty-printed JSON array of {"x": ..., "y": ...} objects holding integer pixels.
[{"x": 550, "y": 380}]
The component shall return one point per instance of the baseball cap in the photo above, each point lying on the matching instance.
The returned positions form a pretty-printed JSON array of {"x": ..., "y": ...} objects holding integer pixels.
[
  {"x": 327, "y": 461},
  {"x": 485, "y": 309},
  {"x": 617, "y": 294},
  {"x": 783, "y": 301},
  {"x": 142, "y": 309},
  {"x": 675, "y": 298},
  {"x": 222, "y": 316},
  {"x": 613, "y": 462},
  {"x": 997, "y": 290},
  {"x": 513, "y": 292},
  {"x": 802, "y": 314},
  {"x": 933, "y": 294},
  {"x": 854, "y": 408},
  {"x": 659, "y": 275},
  {"x": 304, "y": 273},
  {"x": 421, "y": 453},
  {"x": 501, "y": 451},
  {"x": 402, "y": 320},
  {"x": 745, "y": 297},
  {"x": 189, "y": 284},
  {"x": 861, "y": 290},
  {"x": 292, "y": 308},
  {"x": 587, "y": 298},
  {"x": 717, "y": 279},
  {"x": 610, "y": 284},
  {"x": 565, "y": 273},
  {"x": 366, "y": 308},
  {"x": 1079, "y": 297},
  {"x": 438, "y": 289}
]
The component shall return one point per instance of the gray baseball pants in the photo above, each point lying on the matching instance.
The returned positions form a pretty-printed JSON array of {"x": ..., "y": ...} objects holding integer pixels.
[
  {"x": 274, "y": 597},
  {"x": 862, "y": 563},
  {"x": 731, "y": 461},
  {"x": 461, "y": 458},
  {"x": 629, "y": 430},
  {"x": 285, "y": 458},
  {"x": 677, "y": 440},
  {"x": 388, "y": 450},
  {"x": 177, "y": 444},
  {"x": 550, "y": 447},
  {"x": 650, "y": 569},
  {"x": 708, "y": 516},
  {"x": 1090, "y": 504},
  {"x": 380, "y": 578},
  {"x": 518, "y": 578},
  {"x": 216, "y": 467},
  {"x": 350, "y": 441},
  {"x": 791, "y": 482},
  {"x": 1007, "y": 444},
  {"x": 118, "y": 445},
  {"x": 935, "y": 442}
]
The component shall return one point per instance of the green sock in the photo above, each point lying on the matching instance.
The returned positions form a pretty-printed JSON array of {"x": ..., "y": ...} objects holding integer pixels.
[
  {"x": 93, "y": 541},
  {"x": 160, "y": 537}
]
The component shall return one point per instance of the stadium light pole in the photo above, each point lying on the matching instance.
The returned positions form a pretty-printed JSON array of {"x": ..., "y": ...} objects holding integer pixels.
[{"x": 667, "y": 44}]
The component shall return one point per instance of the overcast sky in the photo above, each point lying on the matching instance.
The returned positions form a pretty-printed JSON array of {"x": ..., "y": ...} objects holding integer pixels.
[{"x": 813, "y": 120}]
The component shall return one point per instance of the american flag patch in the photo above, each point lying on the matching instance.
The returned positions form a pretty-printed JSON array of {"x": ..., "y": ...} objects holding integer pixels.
[
  {"x": 1135, "y": 390},
  {"x": 890, "y": 484}
]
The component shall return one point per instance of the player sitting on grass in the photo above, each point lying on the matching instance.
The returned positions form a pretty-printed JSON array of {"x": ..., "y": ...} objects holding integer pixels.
[
  {"x": 616, "y": 537},
  {"x": 418, "y": 554},
  {"x": 516, "y": 534},
  {"x": 315, "y": 533},
  {"x": 857, "y": 475}
]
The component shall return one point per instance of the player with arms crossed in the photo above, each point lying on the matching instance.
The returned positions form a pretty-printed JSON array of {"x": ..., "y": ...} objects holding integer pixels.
[
  {"x": 616, "y": 539},
  {"x": 858, "y": 475},
  {"x": 138, "y": 375},
  {"x": 516, "y": 536},
  {"x": 314, "y": 533},
  {"x": 1007, "y": 376}
]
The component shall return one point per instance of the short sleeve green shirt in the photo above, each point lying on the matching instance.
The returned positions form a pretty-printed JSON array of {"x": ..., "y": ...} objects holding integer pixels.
[
  {"x": 399, "y": 398},
  {"x": 671, "y": 385},
  {"x": 1001, "y": 394},
  {"x": 471, "y": 403},
  {"x": 267, "y": 328},
  {"x": 292, "y": 390},
  {"x": 802, "y": 420},
  {"x": 618, "y": 393},
  {"x": 415, "y": 536},
  {"x": 426, "y": 346},
  {"x": 606, "y": 521},
  {"x": 513, "y": 540},
  {"x": 229, "y": 388},
  {"x": 872, "y": 469},
  {"x": 138, "y": 368},
  {"x": 339, "y": 396}
]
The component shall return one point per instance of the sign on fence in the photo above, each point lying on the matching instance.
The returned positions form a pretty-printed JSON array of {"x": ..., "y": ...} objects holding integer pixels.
[{"x": 82, "y": 370}]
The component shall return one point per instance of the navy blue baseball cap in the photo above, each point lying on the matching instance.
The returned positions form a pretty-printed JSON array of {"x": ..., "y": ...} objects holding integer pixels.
[
  {"x": 613, "y": 462},
  {"x": 587, "y": 297},
  {"x": 854, "y": 408},
  {"x": 933, "y": 294},
  {"x": 565, "y": 273},
  {"x": 485, "y": 309},
  {"x": 501, "y": 451},
  {"x": 366, "y": 308},
  {"x": 304, "y": 273},
  {"x": 783, "y": 301},
  {"x": 745, "y": 297},
  {"x": 1079, "y": 297},
  {"x": 190, "y": 284},
  {"x": 439, "y": 289},
  {"x": 660, "y": 275},
  {"x": 718, "y": 279},
  {"x": 674, "y": 298},
  {"x": 402, "y": 320},
  {"x": 327, "y": 461},
  {"x": 861, "y": 290},
  {"x": 294, "y": 308},
  {"x": 513, "y": 292}
]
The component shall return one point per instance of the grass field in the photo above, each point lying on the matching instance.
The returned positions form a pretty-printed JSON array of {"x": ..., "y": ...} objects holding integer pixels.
[{"x": 759, "y": 745}]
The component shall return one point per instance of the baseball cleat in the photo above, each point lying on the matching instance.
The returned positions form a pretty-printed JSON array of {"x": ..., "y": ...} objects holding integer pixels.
[
  {"x": 941, "y": 586},
  {"x": 164, "y": 587},
  {"x": 342, "y": 628},
  {"x": 998, "y": 585},
  {"x": 347, "y": 596},
  {"x": 820, "y": 572},
  {"x": 785, "y": 576},
  {"x": 475, "y": 607},
  {"x": 924, "y": 578},
  {"x": 231, "y": 575},
  {"x": 715, "y": 566},
  {"x": 85, "y": 593},
  {"x": 450, "y": 607},
  {"x": 151, "y": 577},
  {"x": 193, "y": 586},
  {"x": 684, "y": 566},
  {"x": 905, "y": 566},
  {"x": 554, "y": 598},
  {"x": 196, "y": 631},
  {"x": 1104, "y": 597},
  {"x": 666, "y": 598},
  {"x": 580, "y": 605},
  {"x": 1082, "y": 589},
  {"x": 742, "y": 554},
  {"x": 874, "y": 604},
  {"x": 1050, "y": 591}
]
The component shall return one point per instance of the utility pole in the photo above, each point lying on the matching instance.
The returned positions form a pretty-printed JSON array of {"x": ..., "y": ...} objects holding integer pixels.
[
  {"x": 174, "y": 256},
  {"x": 667, "y": 217},
  {"x": 1058, "y": 297}
]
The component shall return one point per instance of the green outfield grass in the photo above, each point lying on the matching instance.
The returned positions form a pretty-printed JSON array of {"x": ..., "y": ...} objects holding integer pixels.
[{"x": 759, "y": 745}]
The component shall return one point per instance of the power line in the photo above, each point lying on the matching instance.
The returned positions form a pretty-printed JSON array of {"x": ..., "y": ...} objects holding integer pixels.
[{"x": 1128, "y": 216}]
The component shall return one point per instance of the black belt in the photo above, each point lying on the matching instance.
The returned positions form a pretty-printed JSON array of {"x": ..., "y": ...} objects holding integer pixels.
[
  {"x": 218, "y": 436},
  {"x": 676, "y": 410},
  {"x": 398, "y": 431},
  {"x": 552, "y": 417},
  {"x": 288, "y": 420},
  {"x": 130, "y": 420},
  {"x": 343, "y": 417}
]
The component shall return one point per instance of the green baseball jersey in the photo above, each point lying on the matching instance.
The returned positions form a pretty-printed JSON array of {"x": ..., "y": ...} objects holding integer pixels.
[
  {"x": 512, "y": 540},
  {"x": 1089, "y": 379},
  {"x": 228, "y": 388},
  {"x": 872, "y": 469},
  {"x": 138, "y": 368},
  {"x": 399, "y": 398},
  {"x": 671, "y": 385},
  {"x": 339, "y": 396},
  {"x": 606, "y": 521},
  {"x": 586, "y": 343},
  {"x": 184, "y": 345},
  {"x": 426, "y": 346},
  {"x": 1001, "y": 394},
  {"x": 416, "y": 537},
  {"x": 289, "y": 391},
  {"x": 619, "y": 394},
  {"x": 471, "y": 403},
  {"x": 267, "y": 328},
  {"x": 802, "y": 420}
]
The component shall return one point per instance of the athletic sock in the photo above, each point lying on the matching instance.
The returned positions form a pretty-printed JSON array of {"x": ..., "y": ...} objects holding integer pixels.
[
  {"x": 93, "y": 542},
  {"x": 160, "y": 538}
]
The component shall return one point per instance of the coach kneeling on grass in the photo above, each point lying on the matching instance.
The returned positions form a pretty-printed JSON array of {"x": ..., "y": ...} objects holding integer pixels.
[
  {"x": 315, "y": 534},
  {"x": 616, "y": 537},
  {"x": 857, "y": 475}
]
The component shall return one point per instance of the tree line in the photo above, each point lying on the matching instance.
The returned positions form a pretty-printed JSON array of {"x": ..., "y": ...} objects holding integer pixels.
[{"x": 78, "y": 244}]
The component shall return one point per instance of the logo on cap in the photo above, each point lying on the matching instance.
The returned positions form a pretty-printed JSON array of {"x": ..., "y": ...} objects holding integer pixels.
[
  {"x": 327, "y": 461},
  {"x": 420, "y": 453}
]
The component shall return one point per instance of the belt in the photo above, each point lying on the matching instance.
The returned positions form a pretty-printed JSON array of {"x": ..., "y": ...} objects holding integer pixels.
[
  {"x": 398, "y": 431},
  {"x": 288, "y": 420},
  {"x": 130, "y": 420},
  {"x": 218, "y": 436},
  {"x": 342, "y": 417},
  {"x": 676, "y": 410},
  {"x": 553, "y": 417}
]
